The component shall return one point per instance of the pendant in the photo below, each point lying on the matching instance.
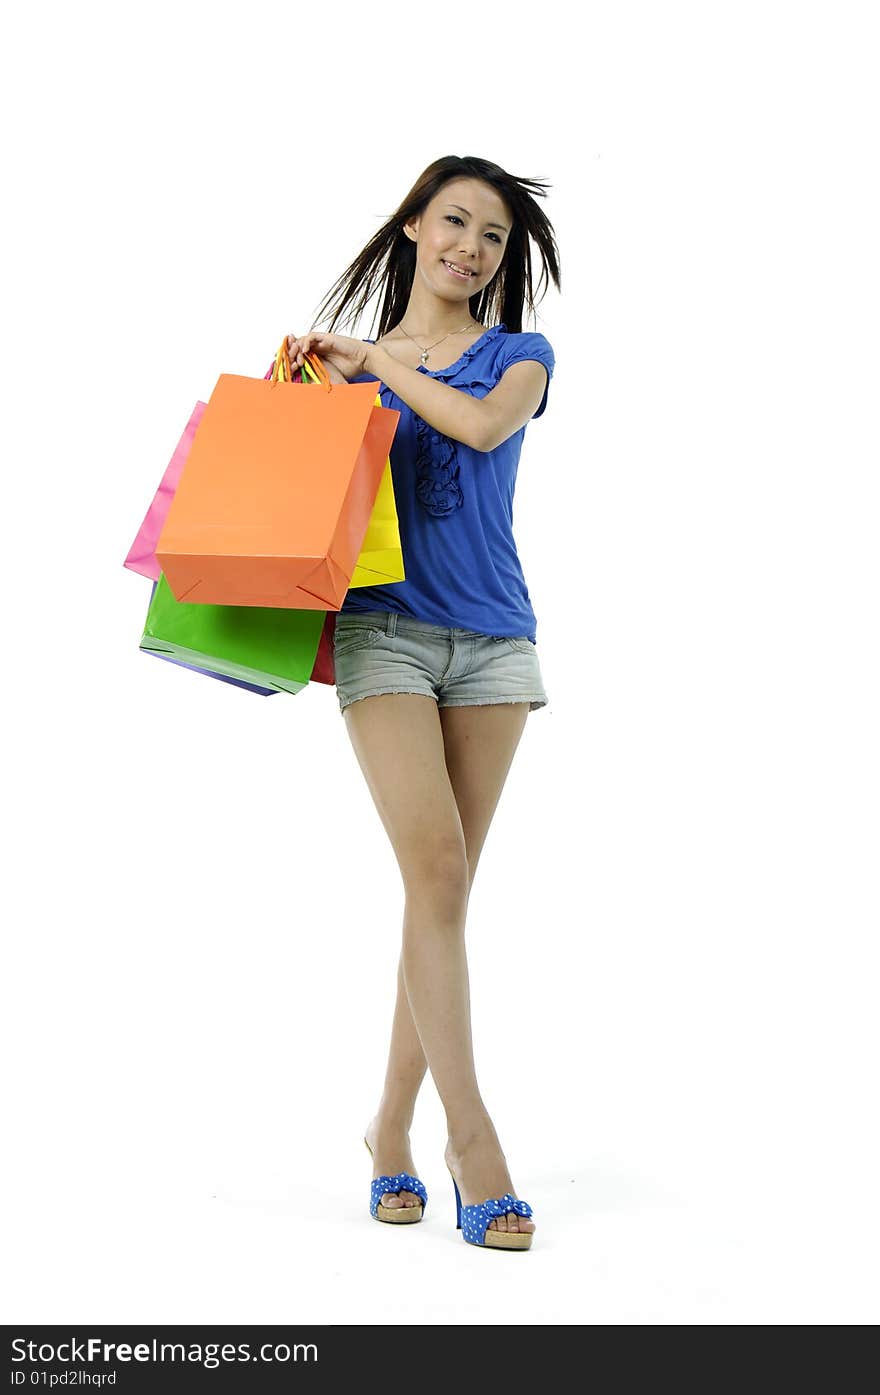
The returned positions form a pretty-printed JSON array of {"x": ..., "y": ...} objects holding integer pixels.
[{"x": 424, "y": 356}]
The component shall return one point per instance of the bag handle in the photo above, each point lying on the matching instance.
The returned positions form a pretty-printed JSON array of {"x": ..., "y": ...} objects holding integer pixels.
[
  {"x": 316, "y": 369},
  {"x": 313, "y": 368},
  {"x": 278, "y": 372},
  {"x": 281, "y": 371}
]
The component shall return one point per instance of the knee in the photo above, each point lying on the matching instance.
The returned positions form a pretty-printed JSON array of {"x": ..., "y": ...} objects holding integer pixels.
[{"x": 438, "y": 872}]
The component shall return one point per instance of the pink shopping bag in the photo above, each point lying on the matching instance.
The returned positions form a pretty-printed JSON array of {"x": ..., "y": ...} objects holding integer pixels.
[{"x": 142, "y": 553}]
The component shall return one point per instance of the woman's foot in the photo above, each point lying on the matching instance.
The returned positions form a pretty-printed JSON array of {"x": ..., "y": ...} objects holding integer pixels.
[
  {"x": 389, "y": 1144},
  {"x": 480, "y": 1170}
]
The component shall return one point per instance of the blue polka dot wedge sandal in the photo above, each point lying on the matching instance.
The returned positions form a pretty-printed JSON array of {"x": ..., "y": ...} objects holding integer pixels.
[
  {"x": 473, "y": 1221},
  {"x": 403, "y": 1182}
]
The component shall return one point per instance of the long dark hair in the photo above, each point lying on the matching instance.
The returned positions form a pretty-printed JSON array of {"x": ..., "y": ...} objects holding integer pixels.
[{"x": 389, "y": 258}]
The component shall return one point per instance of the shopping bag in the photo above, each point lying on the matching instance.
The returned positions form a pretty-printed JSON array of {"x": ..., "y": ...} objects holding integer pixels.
[
  {"x": 381, "y": 557},
  {"x": 274, "y": 501},
  {"x": 381, "y": 552},
  {"x": 223, "y": 677},
  {"x": 142, "y": 553},
  {"x": 271, "y": 647}
]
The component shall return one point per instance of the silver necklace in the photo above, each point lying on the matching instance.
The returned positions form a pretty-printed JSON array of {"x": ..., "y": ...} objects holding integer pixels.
[{"x": 424, "y": 352}]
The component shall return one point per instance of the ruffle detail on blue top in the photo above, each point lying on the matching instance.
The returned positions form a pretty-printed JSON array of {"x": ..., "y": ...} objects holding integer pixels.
[
  {"x": 437, "y": 469},
  {"x": 476, "y": 348},
  {"x": 437, "y": 472}
]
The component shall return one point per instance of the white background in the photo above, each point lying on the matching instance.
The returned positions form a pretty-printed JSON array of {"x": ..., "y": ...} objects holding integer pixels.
[{"x": 202, "y": 909}]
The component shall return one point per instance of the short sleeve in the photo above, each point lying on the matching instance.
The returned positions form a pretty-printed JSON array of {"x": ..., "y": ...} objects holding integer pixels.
[{"x": 524, "y": 346}]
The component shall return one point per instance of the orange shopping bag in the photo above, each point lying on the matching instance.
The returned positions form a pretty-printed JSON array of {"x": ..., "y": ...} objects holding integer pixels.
[{"x": 277, "y": 491}]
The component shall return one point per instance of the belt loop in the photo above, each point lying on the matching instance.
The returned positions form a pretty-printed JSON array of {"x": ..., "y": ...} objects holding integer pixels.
[{"x": 391, "y": 624}]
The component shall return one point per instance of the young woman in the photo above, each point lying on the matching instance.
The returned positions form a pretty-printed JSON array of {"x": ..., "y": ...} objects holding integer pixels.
[{"x": 436, "y": 674}]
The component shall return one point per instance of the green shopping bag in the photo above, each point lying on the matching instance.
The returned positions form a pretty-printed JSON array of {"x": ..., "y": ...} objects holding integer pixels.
[{"x": 274, "y": 648}]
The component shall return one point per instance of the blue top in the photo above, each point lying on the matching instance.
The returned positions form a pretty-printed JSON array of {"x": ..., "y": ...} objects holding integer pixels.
[{"x": 455, "y": 506}]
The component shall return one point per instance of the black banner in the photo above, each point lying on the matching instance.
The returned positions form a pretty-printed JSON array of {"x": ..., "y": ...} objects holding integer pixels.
[{"x": 124, "y": 1358}]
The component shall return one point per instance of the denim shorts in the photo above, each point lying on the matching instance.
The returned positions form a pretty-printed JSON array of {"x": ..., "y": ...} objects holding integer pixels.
[{"x": 380, "y": 651}]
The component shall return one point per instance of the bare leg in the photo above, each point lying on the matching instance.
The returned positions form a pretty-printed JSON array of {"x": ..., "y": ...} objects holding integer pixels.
[
  {"x": 388, "y": 1132},
  {"x": 438, "y": 822}
]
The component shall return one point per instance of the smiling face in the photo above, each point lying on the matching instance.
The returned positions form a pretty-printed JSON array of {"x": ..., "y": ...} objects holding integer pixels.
[{"x": 467, "y": 224}]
